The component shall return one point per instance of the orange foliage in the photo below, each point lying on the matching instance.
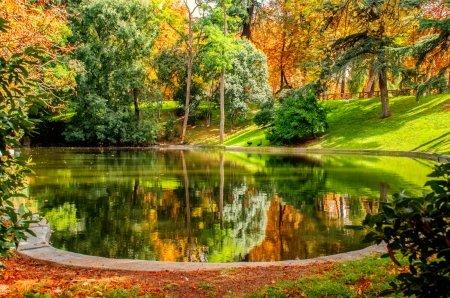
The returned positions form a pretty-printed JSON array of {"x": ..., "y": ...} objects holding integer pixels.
[
  {"x": 42, "y": 27},
  {"x": 288, "y": 34},
  {"x": 34, "y": 25}
]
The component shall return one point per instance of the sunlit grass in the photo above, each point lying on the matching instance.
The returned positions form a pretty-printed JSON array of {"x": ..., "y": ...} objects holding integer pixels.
[
  {"x": 416, "y": 126},
  {"x": 360, "y": 278},
  {"x": 413, "y": 126}
]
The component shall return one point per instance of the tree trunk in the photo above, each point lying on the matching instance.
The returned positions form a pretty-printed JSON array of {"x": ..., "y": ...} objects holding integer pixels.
[
  {"x": 384, "y": 188},
  {"x": 448, "y": 82},
  {"x": 222, "y": 81},
  {"x": 343, "y": 84},
  {"x": 246, "y": 26},
  {"x": 384, "y": 96},
  {"x": 370, "y": 83},
  {"x": 134, "y": 95},
  {"x": 282, "y": 75},
  {"x": 189, "y": 75}
]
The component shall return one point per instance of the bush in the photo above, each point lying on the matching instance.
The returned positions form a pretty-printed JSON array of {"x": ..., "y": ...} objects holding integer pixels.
[
  {"x": 266, "y": 115},
  {"x": 298, "y": 116},
  {"x": 420, "y": 229},
  {"x": 171, "y": 129}
]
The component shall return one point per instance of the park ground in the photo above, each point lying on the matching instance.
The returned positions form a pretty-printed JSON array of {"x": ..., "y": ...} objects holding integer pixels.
[
  {"x": 359, "y": 278},
  {"x": 414, "y": 126}
]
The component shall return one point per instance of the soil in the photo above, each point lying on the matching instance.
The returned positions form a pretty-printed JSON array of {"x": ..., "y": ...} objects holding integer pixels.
[{"x": 20, "y": 277}]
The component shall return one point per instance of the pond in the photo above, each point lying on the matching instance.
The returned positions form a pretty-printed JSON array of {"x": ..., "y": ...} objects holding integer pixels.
[{"x": 210, "y": 206}]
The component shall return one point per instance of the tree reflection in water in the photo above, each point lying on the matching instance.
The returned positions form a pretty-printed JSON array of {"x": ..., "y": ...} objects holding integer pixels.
[{"x": 198, "y": 206}]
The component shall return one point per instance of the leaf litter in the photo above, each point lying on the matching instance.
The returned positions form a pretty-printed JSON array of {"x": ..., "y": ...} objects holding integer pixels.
[{"x": 21, "y": 276}]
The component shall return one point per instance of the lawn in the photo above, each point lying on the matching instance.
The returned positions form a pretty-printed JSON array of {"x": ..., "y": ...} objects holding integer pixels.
[{"x": 414, "y": 126}]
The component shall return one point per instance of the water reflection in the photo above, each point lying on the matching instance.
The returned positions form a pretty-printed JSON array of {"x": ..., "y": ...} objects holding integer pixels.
[{"x": 200, "y": 206}]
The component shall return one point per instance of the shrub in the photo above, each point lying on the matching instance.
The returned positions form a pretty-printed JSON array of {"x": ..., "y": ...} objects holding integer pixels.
[
  {"x": 266, "y": 115},
  {"x": 171, "y": 128},
  {"x": 420, "y": 229},
  {"x": 297, "y": 117}
]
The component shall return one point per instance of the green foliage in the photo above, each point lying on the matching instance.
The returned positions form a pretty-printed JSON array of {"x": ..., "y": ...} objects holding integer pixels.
[
  {"x": 435, "y": 82},
  {"x": 420, "y": 229},
  {"x": 19, "y": 96},
  {"x": 297, "y": 117},
  {"x": 171, "y": 128},
  {"x": 246, "y": 81},
  {"x": 197, "y": 94},
  {"x": 114, "y": 40},
  {"x": 266, "y": 115},
  {"x": 33, "y": 295}
]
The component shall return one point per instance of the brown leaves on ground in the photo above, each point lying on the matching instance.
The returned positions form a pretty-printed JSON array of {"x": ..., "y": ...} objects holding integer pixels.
[{"x": 22, "y": 276}]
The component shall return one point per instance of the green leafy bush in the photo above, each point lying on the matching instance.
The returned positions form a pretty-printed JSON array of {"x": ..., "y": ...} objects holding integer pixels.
[
  {"x": 266, "y": 115},
  {"x": 420, "y": 229},
  {"x": 297, "y": 117},
  {"x": 171, "y": 129}
]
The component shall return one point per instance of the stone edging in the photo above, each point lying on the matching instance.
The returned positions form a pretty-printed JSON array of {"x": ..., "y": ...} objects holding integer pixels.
[
  {"x": 38, "y": 249},
  {"x": 275, "y": 150},
  {"x": 284, "y": 150}
]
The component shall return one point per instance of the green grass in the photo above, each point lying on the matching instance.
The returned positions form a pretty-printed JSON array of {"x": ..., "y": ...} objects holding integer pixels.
[
  {"x": 360, "y": 278},
  {"x": 206, "y": 286},
  {"x": 414, "y": 126}
]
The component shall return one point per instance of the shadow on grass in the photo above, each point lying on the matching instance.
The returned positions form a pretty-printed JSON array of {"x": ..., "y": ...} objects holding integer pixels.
[
  {"x": 358, "y": 124},
  {"x": 438, "y": 142}
]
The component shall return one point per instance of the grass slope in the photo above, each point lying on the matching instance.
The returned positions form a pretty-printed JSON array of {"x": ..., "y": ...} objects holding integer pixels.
[{"x": 413, "y": 126}]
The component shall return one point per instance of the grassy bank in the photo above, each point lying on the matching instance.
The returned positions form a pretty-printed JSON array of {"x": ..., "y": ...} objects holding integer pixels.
[
  {"x": 416, "y": 126},
  {"x": 413, "y": 126}
]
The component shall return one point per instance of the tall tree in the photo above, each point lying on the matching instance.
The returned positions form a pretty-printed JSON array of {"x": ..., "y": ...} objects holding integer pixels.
[
  {"x": 28, "y": 57},
  {"x": 114, "y": 39},
  {"x": 222, "y": 79},
  {"x": 287, "y": 32},
  {"x": 190, "y": 58},
  {"x": 366, "y": 30}
]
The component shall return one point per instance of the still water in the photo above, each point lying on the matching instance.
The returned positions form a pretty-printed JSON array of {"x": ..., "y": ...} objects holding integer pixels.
[{"x": 209, "y": 206}]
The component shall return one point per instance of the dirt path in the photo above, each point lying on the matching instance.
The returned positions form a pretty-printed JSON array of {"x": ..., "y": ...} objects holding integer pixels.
[{"x": 23, "y": 276}]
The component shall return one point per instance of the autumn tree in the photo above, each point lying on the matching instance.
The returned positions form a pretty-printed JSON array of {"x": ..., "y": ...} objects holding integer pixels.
[
  {"x": 432, "y": 48},
  {"x": 287, "y": 33},
  {"x": 370, "y": 29},
  {"x": 31, "y": 44}
]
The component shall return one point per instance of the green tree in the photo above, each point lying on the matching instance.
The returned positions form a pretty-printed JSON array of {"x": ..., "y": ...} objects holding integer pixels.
[
  {"x": 297, "y": 117},
  {"x": 246, "y": 81},
  {"x": 366, "y": 30},
  {"x": 114, "y": 40}
]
